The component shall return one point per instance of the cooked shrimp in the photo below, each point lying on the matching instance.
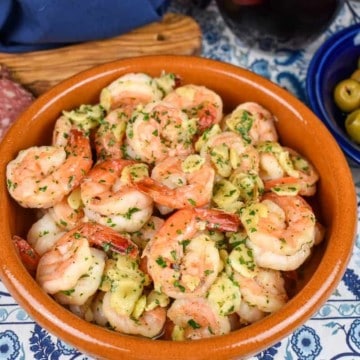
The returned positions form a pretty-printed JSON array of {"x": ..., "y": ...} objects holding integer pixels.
[
  {"x": 198, "y": 102},
  {"x": 40, "y": 177},
  {"x": 60, "y": 268},
  {"x": 83, "y": 311},
  {"x": 308, "y": 175},
  {"x": 110, "y": 135},
  {"x": 228, "y": 152},
  {"x": 179, "y": 182},
  {"x": 196, "y": 319},
  {"x": 84, "y": 118},
  {"x": 147, "y": 232},
  {"x": 136, "y": 88},
  {"x": 181, "y": 259},
  {"x": 160, "y": 130},
  {"x": 274, "y": 161},
  {"x": 253, "y": 122},
  {"x": 97, "y": 309},
  {"x": 66, "y": 216},
  {"x": 44, "y": 233},
  {"x": 70, "y": 258},
  {"x": 281, "y": 231},
  {"x": 88, "y": 283},
  {"x": 284, "y": 168},
  {"x": 112, "y": 203},
  {"x": 61, "y": 132},
  {"x": 54, "y": 221},
  {"x": 275, "y": 261},
  {"x": 265, "y": 290},
  {"x": 150, "y": 324},
  {"x": 249, "y": 313}
]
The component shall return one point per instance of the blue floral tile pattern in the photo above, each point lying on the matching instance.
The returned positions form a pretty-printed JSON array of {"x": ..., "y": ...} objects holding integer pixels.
[
  {"x": 9, "y": 345},
  {"x": 305, "y": 342},
  {"x": 338, "y": 321},
  {"x": 354, "y": 334}
]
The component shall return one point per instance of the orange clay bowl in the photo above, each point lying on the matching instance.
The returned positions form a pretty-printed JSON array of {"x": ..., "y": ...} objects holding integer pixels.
[{"x": 298, "y": 128}]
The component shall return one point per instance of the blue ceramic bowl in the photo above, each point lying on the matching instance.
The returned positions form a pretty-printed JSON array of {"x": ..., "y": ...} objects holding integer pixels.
[{"x": 334, "y": 61}]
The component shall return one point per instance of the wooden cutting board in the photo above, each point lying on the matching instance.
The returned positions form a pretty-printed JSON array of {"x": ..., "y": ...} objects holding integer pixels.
[{"x": 39, "y": 70}]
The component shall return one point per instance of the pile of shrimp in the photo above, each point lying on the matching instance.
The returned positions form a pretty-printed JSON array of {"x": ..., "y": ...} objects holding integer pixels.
[{"x": 160, "y": 216}]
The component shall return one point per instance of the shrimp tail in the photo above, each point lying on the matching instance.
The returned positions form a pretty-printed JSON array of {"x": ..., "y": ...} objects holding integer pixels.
[
  {"x": 207, "y": 116},
  {"x": 178, "y": 198},
  {"x": 29, "y": 257},
  {"x": 79, "y": 151},
  {"x": 287, "y": 180},
  {"x": 117, "y": 243},
  {"x": 79, "y": 143},
  {"x": 155, "y": 190},
  {"x": 107, "y": 238},
  {"x": 219, "y": 220}
]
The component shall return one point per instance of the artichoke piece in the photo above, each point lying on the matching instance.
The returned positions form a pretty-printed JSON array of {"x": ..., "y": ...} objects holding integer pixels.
[{"x": 224, "y": 295}]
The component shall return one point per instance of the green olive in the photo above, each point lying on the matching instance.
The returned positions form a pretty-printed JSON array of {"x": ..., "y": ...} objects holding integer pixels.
[
  {"x": 352, "y": 125},
  {"x": 347, "y": 95},
  {"x": 356, "y": 75}
]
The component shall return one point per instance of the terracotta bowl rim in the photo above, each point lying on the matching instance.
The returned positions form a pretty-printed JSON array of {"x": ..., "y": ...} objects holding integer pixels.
[{"x": 98, "y": 341}]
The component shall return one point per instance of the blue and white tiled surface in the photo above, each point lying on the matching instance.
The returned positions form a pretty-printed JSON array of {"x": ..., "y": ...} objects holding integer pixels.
[{"x": 334, "y": 331}]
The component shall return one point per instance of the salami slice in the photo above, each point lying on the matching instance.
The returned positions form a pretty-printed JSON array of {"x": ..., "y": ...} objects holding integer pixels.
[{"x": 14, "y": 99}]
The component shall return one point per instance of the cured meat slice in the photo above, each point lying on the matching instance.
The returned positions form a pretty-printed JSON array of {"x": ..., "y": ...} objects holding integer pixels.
[{"x": 14, "y": 99}]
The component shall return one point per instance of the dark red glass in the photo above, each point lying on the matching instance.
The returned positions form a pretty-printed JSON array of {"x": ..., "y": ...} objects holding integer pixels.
[{"x": 284, "y": 21}]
